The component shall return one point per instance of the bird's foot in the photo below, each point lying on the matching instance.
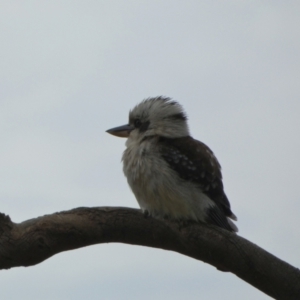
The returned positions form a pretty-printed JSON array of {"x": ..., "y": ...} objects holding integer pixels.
[
  {"x": 184, "y": 223},
  {"x": 146, "y": 214}
]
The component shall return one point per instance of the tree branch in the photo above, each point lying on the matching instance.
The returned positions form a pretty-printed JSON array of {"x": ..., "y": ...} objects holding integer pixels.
[{"x": 33, "y": 241}]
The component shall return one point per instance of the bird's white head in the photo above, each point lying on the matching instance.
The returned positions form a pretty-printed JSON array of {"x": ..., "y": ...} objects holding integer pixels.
[{"x": 159, "y": 116}]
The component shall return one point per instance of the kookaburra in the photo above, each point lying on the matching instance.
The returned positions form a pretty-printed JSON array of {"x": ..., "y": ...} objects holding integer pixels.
[{"x": 171, "y": 174}]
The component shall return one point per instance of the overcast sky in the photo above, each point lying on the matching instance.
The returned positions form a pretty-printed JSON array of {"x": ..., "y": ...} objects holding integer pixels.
[{"x": 69, "y": 70}]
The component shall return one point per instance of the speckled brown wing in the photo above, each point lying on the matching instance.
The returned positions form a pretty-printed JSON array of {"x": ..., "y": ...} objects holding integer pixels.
[{"x": 195, "y": 162}]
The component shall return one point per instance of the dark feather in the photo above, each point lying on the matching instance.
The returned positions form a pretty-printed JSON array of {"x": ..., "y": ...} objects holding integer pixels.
[
  {"x": 195, "y": 162},
  {"x": 215, "y": 216}
]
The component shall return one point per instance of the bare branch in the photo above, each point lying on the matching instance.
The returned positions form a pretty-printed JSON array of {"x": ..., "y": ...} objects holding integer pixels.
[{"x": 35, "y": 240}]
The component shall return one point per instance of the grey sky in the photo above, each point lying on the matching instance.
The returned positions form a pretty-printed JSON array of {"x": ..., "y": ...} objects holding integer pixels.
[{"x": 69, "y": 70}]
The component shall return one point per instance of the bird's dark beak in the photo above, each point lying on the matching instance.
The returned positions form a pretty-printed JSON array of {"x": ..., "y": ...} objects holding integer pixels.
[{"x": 121, "y": 131}]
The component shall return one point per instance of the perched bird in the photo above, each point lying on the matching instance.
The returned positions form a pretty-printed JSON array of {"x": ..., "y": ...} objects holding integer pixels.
[{"x": 171, "y": 174}]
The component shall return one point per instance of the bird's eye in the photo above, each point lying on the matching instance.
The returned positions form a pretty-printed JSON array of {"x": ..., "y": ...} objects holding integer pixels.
[{"x": 137, "y": 123}]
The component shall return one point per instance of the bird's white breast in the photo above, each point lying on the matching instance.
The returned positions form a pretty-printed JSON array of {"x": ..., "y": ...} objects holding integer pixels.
[{"x": 157, "y": 188}]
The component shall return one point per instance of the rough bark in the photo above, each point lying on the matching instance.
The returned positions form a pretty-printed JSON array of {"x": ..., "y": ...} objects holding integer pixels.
[{"x": 33, "y": 241}]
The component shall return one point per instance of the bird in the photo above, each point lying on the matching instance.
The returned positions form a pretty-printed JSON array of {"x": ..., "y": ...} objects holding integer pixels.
[{"x": 172, "y": 175}]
